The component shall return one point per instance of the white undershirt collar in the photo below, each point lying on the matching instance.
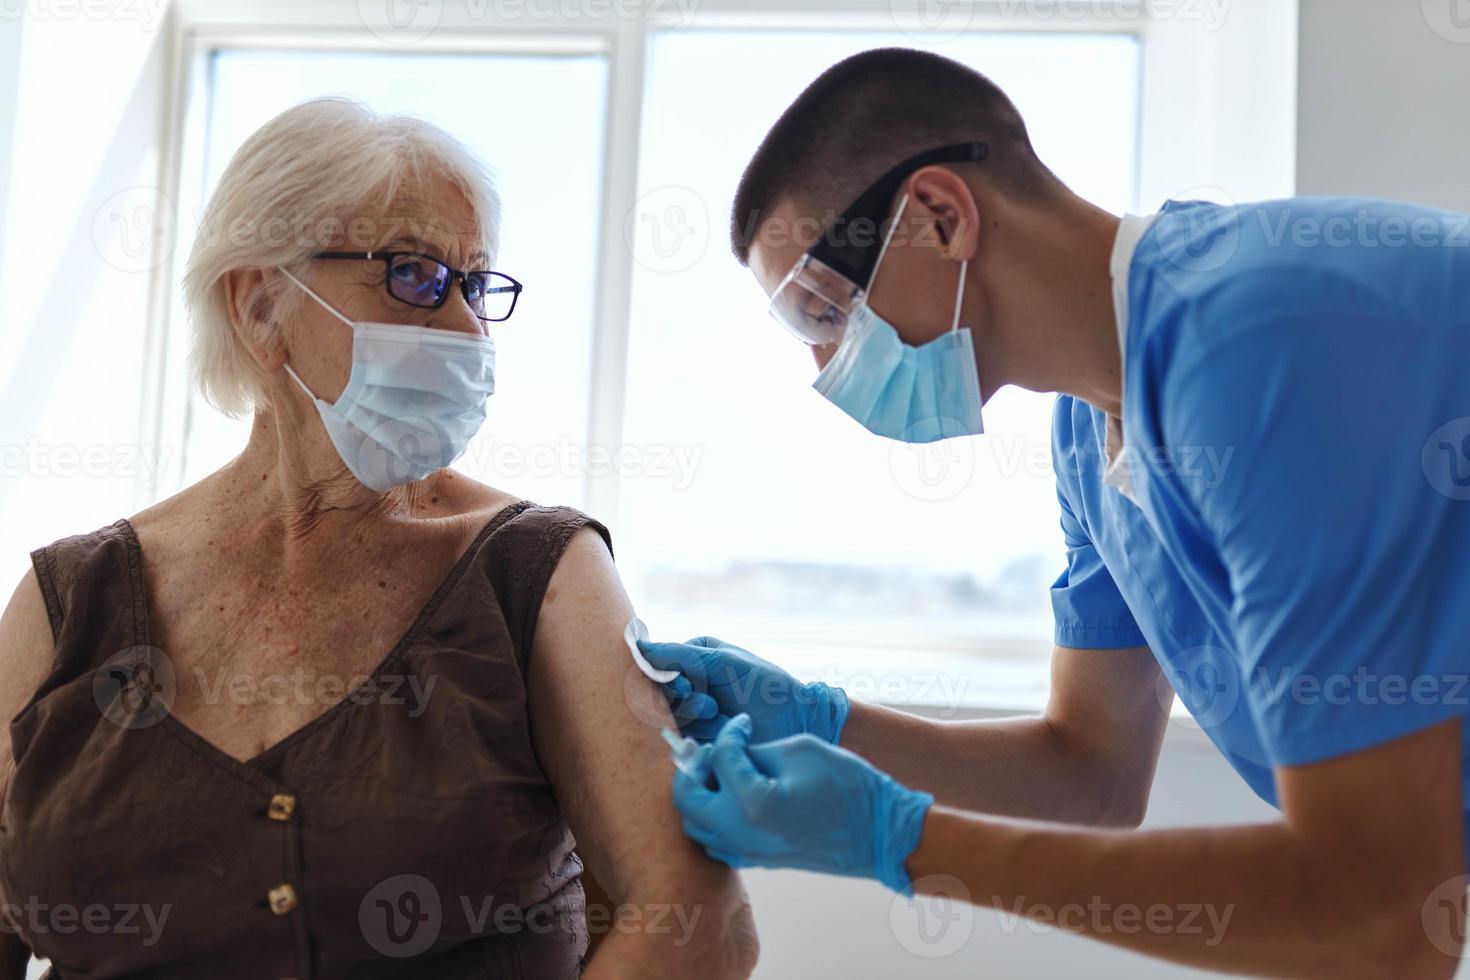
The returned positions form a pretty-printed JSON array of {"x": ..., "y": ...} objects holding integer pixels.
[{"x": 1130, "y": 229}]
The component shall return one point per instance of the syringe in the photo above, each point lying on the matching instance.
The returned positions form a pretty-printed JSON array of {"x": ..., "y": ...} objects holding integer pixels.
[{"x": 686, "y": 753}]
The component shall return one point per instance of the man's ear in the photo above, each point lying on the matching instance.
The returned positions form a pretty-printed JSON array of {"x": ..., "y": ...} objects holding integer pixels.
[
  {"x": 251, "y": 310},
  {"x": 951, "y": 203}
]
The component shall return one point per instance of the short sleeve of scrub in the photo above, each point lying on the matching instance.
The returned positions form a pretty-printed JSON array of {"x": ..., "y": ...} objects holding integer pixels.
[{"x": 1089, "y": 610}]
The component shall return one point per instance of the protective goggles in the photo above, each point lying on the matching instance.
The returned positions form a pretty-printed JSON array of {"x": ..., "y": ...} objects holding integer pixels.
[{"x": 815, "y": 299}]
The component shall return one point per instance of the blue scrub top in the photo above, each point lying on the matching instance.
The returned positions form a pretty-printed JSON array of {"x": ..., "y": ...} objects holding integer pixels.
[{"x": 1296, "y": 419}]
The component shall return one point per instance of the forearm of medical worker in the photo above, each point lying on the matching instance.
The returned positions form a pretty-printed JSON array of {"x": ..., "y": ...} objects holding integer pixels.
[
  {"x": 1349, "y": 884},
  {"x": 1088, "y": 759}
]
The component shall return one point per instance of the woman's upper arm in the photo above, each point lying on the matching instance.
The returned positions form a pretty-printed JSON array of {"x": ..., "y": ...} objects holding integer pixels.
[
  {"x": 596, "y": 721},
  {"x": 26, "y": 646}
]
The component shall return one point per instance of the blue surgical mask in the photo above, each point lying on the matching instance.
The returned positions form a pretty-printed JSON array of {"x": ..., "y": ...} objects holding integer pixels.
[
  {"x": 414, "y": 399},
  {"x": 913, "y": 394}
]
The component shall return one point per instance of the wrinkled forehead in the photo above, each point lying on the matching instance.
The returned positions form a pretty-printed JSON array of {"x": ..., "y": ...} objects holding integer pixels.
[{"x": 433, "y": 216}]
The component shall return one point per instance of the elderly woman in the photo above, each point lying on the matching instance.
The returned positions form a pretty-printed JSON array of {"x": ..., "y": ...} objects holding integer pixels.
[{"x": 336, "y": 710}]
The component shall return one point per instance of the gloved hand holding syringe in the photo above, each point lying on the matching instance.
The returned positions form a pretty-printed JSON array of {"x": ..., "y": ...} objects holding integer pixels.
[{"x": 687, "y": 756}]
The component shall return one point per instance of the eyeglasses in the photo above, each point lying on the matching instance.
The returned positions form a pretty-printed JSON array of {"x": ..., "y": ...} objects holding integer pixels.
[
  {"x": 423, "y": 281},
  {"x": 827, "y": 283}
]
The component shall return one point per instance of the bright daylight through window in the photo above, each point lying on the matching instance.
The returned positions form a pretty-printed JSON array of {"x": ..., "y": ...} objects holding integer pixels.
[{"x": 748, "y": 507}]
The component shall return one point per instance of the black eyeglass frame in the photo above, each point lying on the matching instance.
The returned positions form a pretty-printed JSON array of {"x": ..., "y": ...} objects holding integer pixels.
[
  {"x": 387, "y": 258},
  {"x": 855, "y": 256}
]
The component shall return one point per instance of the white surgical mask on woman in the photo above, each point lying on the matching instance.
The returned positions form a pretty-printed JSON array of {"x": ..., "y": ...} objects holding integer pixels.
[{"x": 413, "y": 401}]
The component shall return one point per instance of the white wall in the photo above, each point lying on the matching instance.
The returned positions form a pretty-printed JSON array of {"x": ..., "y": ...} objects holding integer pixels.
[{"x": 1382, "y": 100}]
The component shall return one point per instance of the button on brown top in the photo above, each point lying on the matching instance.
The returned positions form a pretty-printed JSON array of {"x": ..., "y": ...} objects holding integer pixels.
[
  {"x": 417, "y": 800},
  {"x": 281, "y": 806},
  {"x": 282, "y": 899}
]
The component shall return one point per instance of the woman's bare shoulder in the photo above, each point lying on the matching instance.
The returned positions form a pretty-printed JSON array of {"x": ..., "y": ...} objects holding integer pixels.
[
  {"x": 466, "y": 495},
  {"x": 188, "y": 508},
  {"x": 26, "y": 649},
  {"x": 25, "y": 633}
]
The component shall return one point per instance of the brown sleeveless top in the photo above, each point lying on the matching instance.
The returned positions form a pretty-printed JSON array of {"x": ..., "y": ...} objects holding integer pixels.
[{"x": 409, "y": 831}]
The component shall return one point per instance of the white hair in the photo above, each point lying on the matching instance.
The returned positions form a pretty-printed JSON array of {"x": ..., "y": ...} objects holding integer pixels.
[{"x": 317, "y": 173}]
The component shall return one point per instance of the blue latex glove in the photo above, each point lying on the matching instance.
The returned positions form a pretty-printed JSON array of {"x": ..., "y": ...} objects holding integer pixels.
[
  {"x": 720, "y": 681},
  {"x": 800, "y": 803}
]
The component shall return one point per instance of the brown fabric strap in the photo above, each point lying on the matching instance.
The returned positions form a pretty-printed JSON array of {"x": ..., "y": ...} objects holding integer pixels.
[
  {"x": 92, "y": 585},
  {"x": 522, "y": 555},
  {"x": 46, "y": 577}
]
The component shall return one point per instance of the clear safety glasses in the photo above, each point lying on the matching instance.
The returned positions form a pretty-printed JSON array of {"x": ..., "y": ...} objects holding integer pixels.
[{"x": 815, "y": 299}]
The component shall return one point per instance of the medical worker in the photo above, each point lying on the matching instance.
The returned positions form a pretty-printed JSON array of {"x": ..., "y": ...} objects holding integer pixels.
[{"x": 1262, "y": 453}]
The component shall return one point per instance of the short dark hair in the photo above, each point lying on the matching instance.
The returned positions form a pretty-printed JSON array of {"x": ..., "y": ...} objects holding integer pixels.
[{"x": 867, "y": 113}]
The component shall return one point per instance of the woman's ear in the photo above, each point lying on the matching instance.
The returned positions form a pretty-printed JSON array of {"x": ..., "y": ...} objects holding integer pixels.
[
  {"x": 951, "y": 202},
  {"x": 248, "y": 299}
]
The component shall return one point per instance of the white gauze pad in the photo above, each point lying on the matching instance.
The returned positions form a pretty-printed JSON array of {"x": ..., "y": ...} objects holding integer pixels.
[{"x": 632, "y": 633}]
